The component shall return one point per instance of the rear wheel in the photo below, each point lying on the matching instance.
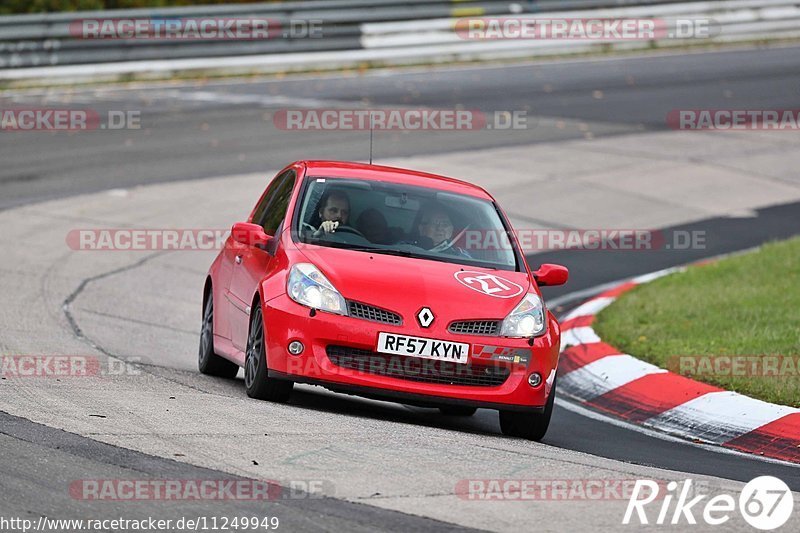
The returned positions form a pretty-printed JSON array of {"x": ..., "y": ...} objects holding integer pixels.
[
  {"x": 209, "y": 362},
  {"x": 531, "y": 426},
  {"x": 256, "y": 381},
  {"x": 457, "y": 410}
]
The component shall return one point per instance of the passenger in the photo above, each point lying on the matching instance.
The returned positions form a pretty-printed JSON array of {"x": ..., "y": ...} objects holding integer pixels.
[{"x": 434, "y": 228}]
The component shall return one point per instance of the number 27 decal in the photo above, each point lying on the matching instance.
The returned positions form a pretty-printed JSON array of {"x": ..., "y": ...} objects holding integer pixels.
[{"x": 489, "y": 284}]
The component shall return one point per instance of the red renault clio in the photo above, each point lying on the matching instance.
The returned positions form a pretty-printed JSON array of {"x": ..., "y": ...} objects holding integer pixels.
[{"x": 386, "y": 283}]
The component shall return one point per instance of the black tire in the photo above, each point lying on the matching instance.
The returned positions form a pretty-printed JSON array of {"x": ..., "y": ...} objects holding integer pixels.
[
  {"x": 208, "y": 361},
  {"x": 256, "y": 381},
  {"x": 457, "y": 410},
  {"x": 531, "y": 426}
]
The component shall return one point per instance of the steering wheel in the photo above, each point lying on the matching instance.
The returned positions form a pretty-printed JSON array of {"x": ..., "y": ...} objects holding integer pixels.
[
  {"x": 349, "y": 229},
  {"x": 340, "y": 228}
]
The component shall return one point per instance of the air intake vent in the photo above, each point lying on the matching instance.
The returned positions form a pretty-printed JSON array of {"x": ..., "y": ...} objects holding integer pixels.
[
  {"x": 374, "y": 314},
  {"x": 475, "y": 327},
  {"x": 417, "y": 369}
]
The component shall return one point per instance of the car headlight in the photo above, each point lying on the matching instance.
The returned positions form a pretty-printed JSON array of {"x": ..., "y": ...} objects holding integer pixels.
[
  {"x": 308, "y": 286},
  {"x": 526, "y": 320}
]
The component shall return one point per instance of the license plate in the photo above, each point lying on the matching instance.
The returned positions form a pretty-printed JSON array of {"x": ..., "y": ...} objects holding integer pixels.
[{"x": 456, "y": 352}]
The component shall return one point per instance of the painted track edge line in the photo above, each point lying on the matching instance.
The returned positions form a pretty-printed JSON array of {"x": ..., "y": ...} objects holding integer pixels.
[{"x": 576, "y": 407}]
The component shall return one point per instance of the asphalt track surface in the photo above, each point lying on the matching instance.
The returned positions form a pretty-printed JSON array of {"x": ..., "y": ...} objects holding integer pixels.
[
  {"x": 192, "y": 132},
  {"x": 225, "y": 128}
]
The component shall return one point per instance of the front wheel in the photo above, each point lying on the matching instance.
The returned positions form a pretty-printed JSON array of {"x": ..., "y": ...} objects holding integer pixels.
[
  {"x": 531, "y": 426},
  {"x": 257, "y": 383}
]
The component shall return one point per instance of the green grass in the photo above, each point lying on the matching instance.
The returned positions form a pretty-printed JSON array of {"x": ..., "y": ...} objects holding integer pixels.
[{"x": 743, "y": 305}]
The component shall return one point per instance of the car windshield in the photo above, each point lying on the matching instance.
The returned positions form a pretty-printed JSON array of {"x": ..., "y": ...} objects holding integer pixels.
[{"x": 405, "y": 220}]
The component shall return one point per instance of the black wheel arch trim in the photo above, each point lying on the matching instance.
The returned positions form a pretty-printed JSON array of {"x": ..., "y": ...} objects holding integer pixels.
[{"x": 208, "y": 288}]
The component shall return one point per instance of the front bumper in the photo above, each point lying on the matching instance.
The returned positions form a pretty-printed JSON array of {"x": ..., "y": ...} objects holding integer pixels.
[{"x": 287, "y": 321}]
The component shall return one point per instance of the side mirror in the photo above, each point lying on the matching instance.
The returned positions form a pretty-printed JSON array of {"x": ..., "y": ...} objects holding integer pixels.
[
  {"x": 250, "y": 235},
  {"x": 549, "y": 275}
]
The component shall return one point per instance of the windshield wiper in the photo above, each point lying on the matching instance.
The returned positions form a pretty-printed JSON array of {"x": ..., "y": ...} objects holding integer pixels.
[
  {"x": 417, "y": 255},
  {"x": 387, "y": 251}
]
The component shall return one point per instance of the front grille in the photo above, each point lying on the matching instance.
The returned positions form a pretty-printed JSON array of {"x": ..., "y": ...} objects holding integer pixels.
[
  {"x": 417, "y": 369},
  {"x": 475, "y": 327},
  {"x": 375, "y": 314}
]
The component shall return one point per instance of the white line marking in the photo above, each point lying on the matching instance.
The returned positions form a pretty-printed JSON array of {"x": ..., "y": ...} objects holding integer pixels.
[
  {"x": 646, "y": 278},
  {"x": 582, "y": 294},
  {"x": 570, "y": 405},
  {"x": 719, "y": 416},
  {"x": 258, "y": 99},
  {"x": 576, "y": 336},
  {"x": 592, "y": 307},
  {"x": 606, "y": 374}
]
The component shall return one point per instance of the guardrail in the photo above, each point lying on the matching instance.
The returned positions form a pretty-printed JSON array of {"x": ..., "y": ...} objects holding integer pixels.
[
  {"x": 36, "y": 40},
  {"x": 333, "y": 33}
]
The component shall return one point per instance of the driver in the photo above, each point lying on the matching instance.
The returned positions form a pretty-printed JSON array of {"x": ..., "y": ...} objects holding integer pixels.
[{"x": 333, "y": 211}]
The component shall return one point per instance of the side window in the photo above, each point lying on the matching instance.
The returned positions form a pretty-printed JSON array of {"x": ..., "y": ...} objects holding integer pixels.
[
  {"x": 271, "y": 211},
  {"x": 261, "y": 208}
]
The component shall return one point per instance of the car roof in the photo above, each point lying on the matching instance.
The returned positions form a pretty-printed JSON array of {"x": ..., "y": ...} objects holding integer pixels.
[{"x": 346, "y": 169}]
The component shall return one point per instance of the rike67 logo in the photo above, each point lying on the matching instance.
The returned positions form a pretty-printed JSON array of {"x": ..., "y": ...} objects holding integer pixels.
[{"x": 765, "y": 503}]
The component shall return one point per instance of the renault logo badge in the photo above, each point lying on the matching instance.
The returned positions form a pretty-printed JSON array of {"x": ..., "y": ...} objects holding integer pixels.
[{"x": 425, "y": 317}]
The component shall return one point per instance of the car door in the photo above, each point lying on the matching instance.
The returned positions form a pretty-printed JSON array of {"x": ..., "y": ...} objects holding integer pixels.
[{"x": 251, "y": 263}]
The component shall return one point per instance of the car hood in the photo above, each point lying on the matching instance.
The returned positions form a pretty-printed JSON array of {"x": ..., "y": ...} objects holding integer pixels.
[{"x": 405, "y": 285}]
